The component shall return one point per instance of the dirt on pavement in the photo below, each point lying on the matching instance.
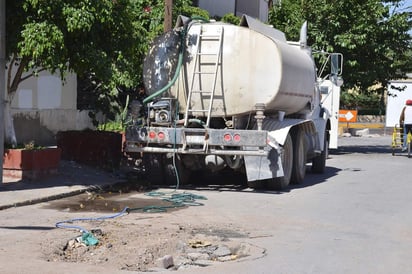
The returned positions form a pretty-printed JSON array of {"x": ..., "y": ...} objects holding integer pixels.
[{"x": 146, "y": 237}]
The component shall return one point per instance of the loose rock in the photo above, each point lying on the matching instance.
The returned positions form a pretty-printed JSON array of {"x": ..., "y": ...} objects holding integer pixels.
[
  {"x": 165, "y": 262},
  {"x": 222, "y": 251},
  {"x": 194, "y": 256}
]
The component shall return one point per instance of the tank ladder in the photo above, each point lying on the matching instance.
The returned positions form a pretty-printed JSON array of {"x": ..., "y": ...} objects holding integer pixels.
[{"x": 200, "y": 69}]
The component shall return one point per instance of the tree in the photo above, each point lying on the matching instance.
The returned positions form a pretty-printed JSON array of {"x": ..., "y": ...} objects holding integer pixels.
[
  {"x": 152, "y": 16},
  {"x": 149, "y": 18},
  {"x": 372, "y": 35},
  {"x": 102, "y": 41},
  {"x": 89, "y": 37}
]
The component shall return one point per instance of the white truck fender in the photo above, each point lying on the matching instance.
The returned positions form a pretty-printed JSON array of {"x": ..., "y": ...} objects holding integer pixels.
[{"x": 262, "y": 168}]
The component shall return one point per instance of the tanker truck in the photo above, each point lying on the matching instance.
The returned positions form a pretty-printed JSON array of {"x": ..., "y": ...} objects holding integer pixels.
[{"x": 238, "y": 97}]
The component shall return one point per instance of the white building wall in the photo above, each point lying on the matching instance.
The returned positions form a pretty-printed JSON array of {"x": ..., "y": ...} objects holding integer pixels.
[
  {"x": 44, "y": 105},
  {"x": 263, "y": 11},
  {"x": 218, "y": 7},
  {"x": 249, "y": 7},
  {"x": 396, "y": 100},
  {"x": 46, "y": 91}
]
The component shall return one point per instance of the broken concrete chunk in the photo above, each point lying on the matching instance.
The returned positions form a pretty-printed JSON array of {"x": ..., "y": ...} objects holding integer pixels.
[
  {"x": 222, "y": 251},
  {"x": 165, "y": 262},
  {"x": 194, "y": 256}
]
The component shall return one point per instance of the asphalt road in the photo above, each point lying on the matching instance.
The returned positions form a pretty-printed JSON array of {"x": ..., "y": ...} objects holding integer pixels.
[{"x": 355, "y": 218}]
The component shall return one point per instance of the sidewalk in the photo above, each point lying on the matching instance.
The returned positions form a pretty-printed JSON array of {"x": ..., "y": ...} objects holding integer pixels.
[{"x": 72, "y": 179}]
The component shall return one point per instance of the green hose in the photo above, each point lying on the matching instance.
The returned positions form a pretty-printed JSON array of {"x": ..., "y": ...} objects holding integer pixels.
[
  {"x": 160, "y": 91},
  {"x": 179, "y": 63}
]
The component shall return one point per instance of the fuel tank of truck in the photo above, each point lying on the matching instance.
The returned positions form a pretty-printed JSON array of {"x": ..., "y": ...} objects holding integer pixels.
[{"x": 241, "y": 65}]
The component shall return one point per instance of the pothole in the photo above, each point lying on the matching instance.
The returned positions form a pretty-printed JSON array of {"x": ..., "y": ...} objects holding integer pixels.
[{"x": 149, "y": 248}]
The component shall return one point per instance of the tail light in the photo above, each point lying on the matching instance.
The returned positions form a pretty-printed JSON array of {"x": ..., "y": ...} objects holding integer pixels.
[
  {"x": 152, "y": 135},
  {"x": 229, "y": 138},
  {"x": 161, "y": 135}
]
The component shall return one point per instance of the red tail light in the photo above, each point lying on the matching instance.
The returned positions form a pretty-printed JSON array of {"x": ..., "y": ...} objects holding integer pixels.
[
  {"x": 152, "y": 135},
  {"x": 161, "y": 135}
]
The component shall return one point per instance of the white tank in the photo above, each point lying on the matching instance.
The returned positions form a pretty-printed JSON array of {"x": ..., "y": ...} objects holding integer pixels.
[{"x": 257, "y": 66}]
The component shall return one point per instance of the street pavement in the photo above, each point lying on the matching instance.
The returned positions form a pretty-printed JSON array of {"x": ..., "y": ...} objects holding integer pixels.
[{"x": 71, "y": 179}]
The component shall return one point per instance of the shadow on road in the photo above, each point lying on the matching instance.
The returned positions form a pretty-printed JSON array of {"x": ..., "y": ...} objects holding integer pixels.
[
  {"x": 69, "y": 174},
  {"x": 116, "y": 197},
  {"x": 312, "y": 179},
  {"x": 219, "y": 181},
  {"x": 235, "y": 182}
]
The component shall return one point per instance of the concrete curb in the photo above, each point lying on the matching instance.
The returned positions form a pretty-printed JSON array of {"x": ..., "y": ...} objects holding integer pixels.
[{"x": 63, "y": 194}]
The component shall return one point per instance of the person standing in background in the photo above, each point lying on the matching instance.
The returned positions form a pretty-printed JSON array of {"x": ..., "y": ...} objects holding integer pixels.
[{"x": 405, "y": 121}]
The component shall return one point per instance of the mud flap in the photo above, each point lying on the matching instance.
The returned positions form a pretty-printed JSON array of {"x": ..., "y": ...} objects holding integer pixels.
[{"x": 264, "y": 167}]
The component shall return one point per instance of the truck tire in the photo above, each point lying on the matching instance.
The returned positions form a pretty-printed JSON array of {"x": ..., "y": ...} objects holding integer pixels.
[
  {"x": 281, "y": 183},
  {"x": 153, "y": 165},
  {"x": 319, "y": 162},
  {"x": 299, "y": 157}
]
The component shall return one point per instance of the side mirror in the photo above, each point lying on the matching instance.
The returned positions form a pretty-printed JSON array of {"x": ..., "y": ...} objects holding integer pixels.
[
  {"x": 336, "y": 80},
  {"x": 336, "y": 63}
]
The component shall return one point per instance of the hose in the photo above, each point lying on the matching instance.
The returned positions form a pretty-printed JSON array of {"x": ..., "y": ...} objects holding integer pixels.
[
  {"x": 162, "y": 90},
  {"x": 176, "y": 199},
  {"x": 179, "y": 62},
  {"x": 83, "y": 230}
]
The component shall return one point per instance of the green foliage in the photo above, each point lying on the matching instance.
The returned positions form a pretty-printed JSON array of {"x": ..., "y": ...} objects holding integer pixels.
[
  {"x": 43, "y": 42},
  {"x": 231, "y": 19},
  {"x": 102, "y": 41},
  {"x": 31, "y": 145},
  {"x": 119, "y": 123},
  {"x": 116, "y": 126},
  {"x": 287, "y": 16},
  {"x": 190, "y": 11},
  {"x": 90, "y": 37},
  {"x": 150, "y": 15},
  {"x": 373, "y": 39},
  {"x": 355, "y": 100}
]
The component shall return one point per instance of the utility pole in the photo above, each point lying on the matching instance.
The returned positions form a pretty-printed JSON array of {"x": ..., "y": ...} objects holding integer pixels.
[
  {"x": 168, "y": 15},
  {"x": 2, "y": 79}
]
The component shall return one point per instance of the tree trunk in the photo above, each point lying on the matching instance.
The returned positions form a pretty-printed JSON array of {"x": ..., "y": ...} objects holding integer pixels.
[
  {"x": 11, "y": 89},
  {"x": 168, "y": 15},
  {"x": 9, "y": 132}
]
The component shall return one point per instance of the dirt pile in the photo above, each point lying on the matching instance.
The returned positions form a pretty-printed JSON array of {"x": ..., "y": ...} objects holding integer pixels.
[{"x": 148, "y": 247}]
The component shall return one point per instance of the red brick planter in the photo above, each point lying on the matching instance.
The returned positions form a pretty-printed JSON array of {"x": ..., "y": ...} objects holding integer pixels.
[
  {"x": 31, "y": 163},
  {"x": 96, "y": 148}
]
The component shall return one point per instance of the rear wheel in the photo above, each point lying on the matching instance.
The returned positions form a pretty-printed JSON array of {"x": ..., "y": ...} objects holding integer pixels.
[
  {"x": 287, "y": 163},
  {"x": 299, "y": 157},
  {"x": 319, "y": 162}
]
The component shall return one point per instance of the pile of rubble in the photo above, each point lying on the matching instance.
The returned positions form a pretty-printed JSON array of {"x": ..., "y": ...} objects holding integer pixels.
[{"x": 202, "y": 254}]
